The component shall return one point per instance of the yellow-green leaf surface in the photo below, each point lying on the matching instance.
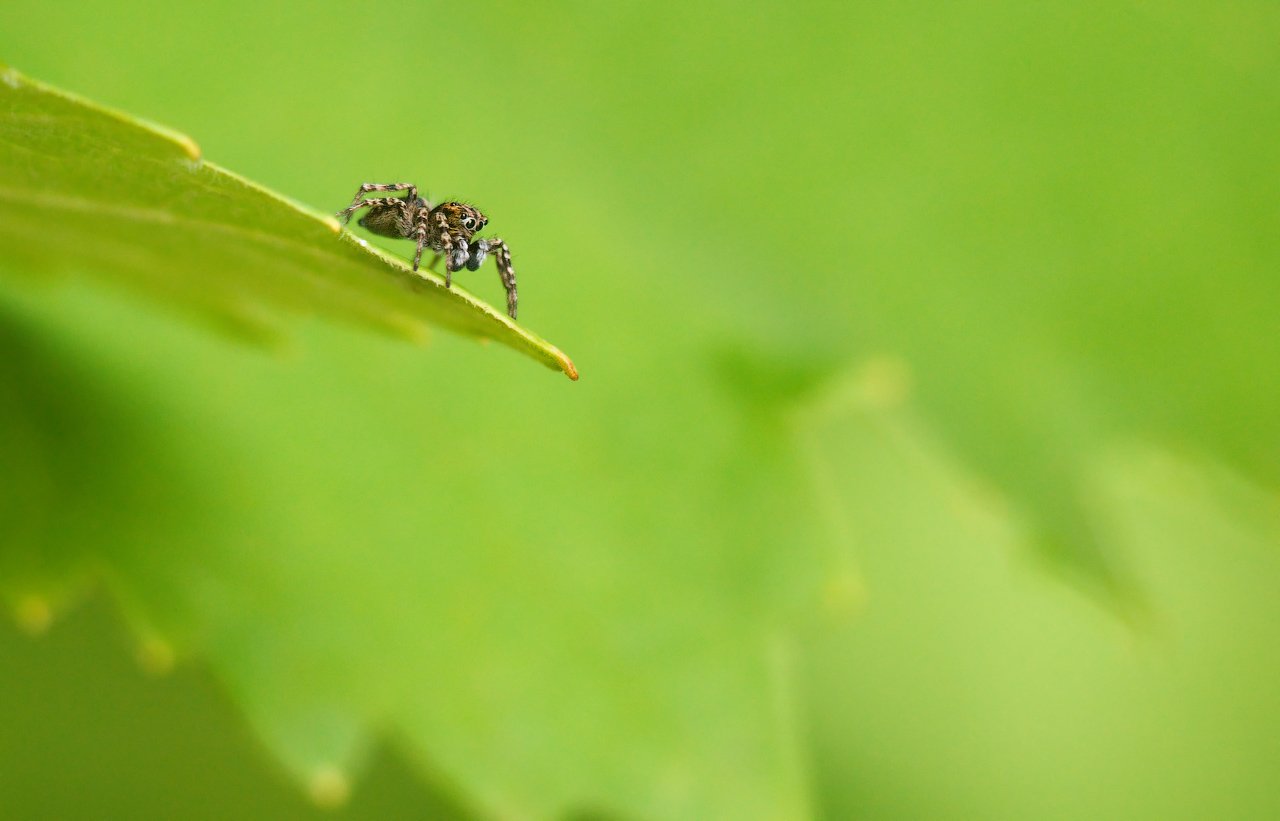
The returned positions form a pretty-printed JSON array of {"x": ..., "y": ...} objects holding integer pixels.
[{"x": 89, "y": 189}]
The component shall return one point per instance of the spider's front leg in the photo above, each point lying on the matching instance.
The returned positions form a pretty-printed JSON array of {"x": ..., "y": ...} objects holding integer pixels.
[
  {"x": 454, "y": 247},
  {"x": 502, "y": 257},
  {"x": 359, "y": 202}
]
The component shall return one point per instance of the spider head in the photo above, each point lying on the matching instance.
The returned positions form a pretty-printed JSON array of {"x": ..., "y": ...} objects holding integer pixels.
[{"x": 462, "y": 218}]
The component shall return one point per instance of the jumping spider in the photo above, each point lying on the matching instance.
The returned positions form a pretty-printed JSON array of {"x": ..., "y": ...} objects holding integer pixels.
[{"x": 446, "y": 228}]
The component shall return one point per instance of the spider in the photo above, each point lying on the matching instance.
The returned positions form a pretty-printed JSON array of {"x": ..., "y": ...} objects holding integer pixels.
[{"x": 446, "y": 228}]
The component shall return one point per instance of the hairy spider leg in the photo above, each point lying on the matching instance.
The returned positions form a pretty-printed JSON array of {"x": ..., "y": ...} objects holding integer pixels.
[
  {"x": 502, "y": 258},
  {"x": 420, "y": 234},
  {"x": 381, "y": 202},
  {"x": 357, "y": 202}
]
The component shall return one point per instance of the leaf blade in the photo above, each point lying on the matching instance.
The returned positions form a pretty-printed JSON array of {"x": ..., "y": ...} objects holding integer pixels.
[{"x": 88, "y": 188}]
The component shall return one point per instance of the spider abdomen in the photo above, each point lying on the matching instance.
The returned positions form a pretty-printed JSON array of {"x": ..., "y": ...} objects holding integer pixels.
[{"x": 386, "y": 222}]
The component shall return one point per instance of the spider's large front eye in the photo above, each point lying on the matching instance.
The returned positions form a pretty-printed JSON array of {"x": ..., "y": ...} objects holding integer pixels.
[{"x": 468, "y": 223}]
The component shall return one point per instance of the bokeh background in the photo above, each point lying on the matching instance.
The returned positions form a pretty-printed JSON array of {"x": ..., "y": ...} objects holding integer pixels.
[{"x": 923, "y": 464}]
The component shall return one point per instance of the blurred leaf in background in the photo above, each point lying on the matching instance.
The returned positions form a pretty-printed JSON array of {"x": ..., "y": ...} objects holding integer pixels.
[{"x": 873, "y": 303}]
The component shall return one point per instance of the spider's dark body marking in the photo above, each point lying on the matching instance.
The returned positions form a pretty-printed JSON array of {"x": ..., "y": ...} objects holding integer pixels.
[
  {"x": 447, "y": 228},
  {"x": 385, "y": 221}
]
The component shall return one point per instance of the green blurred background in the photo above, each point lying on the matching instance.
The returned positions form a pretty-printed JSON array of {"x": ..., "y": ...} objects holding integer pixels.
[{"x": 923, "y": 463}]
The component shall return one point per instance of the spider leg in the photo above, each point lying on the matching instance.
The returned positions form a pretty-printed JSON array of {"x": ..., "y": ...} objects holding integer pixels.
[
  {"x": 502, "y": 257},
  {"x": 454, "y": 248},
  {"x": 448, "y": 260},
  {"x": 421, "y": 234},
  {"x": 394, "y": 202},
  {"x": 356, "y": 202}
]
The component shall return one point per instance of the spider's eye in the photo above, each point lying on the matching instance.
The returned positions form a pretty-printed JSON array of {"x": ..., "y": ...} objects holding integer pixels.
[{"x": 468, "y": 223}]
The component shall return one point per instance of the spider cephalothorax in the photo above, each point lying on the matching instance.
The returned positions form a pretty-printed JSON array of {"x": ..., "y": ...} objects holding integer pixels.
[{"x": 446, "y": 228}]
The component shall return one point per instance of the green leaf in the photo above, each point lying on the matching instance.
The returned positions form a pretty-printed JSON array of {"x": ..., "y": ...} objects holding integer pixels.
[{"x": 88, "y": 189}]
